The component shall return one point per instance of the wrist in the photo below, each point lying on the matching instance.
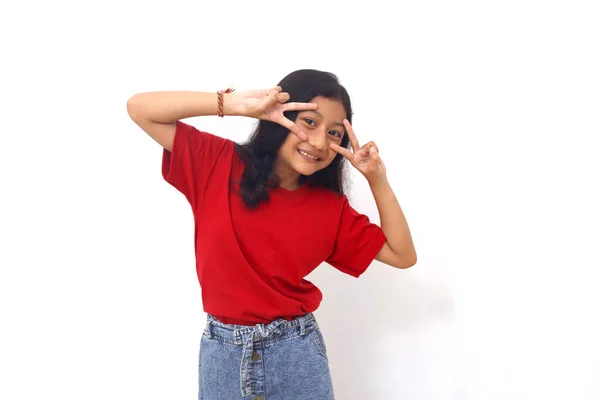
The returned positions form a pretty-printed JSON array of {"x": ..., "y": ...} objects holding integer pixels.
[
  {"x": 229, "y": 107},
  {"x": 378, "y": 182}
]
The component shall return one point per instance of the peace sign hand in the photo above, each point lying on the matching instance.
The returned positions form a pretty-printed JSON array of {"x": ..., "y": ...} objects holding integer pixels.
[
  {"x": 268, "y": 105},
  {"x": 365, "y": 159}
]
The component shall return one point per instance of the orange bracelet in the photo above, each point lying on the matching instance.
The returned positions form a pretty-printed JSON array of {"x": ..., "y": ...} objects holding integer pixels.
[{"x": 220, "y": 100}]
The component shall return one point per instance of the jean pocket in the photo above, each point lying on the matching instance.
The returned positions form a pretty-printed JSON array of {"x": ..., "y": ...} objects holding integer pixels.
[{"x": 318, "y": 336}]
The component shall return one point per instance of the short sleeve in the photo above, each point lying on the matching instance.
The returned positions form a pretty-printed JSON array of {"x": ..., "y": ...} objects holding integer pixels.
[
  {"x": 193, "y": 156},
  {"x": 357, "y": 242}
]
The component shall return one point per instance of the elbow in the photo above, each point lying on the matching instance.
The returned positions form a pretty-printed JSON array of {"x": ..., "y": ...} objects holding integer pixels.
[
  {"x": 132, "y": 107},
  {"x": 406, "y": 262}
]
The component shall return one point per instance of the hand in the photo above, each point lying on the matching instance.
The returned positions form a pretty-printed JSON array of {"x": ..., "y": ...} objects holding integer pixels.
[
  {"x": 365, "y": 159},
  {"x": 269, "y": 106}
]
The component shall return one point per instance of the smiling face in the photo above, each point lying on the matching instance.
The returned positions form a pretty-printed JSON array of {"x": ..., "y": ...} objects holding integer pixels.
[{"x": 323, "y": 126}]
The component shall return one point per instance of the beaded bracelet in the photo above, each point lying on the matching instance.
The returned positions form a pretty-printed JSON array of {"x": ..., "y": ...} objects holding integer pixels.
[{"x": 220, "y": 100}]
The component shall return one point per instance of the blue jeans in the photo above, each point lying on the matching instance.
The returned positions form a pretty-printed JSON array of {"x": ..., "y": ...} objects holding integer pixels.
[{"x": 283, "y": 360}]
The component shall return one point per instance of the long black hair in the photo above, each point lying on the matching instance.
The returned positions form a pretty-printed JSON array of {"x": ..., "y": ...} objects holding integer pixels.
[{"x": 259, "y": 153}]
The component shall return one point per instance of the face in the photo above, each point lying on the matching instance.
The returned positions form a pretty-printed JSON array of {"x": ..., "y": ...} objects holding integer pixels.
[{"x": 322, "y": 126}]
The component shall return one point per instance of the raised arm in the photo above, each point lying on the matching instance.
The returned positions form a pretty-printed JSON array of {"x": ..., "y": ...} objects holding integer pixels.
[{"x": 158, "y": 112}]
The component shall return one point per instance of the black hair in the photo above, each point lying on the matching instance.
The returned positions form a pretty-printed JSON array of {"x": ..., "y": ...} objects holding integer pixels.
[{"x": 259, "y": 153}]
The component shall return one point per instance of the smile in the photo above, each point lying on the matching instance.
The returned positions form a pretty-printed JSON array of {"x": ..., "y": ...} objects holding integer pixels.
[{"x": 308, "y": 156}]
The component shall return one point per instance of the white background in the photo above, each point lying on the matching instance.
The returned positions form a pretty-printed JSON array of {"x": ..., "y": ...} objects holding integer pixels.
[{"x": 486, "y": 114}]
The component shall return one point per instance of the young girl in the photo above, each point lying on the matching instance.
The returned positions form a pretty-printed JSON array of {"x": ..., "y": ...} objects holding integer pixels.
[{"x": 267, "y": 213}]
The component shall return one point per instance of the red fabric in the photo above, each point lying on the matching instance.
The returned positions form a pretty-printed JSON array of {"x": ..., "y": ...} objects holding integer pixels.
[{"x": 251, "y": 264}]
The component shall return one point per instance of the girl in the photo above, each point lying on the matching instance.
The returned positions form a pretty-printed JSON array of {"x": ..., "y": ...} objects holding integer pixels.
[{"x": 267, "y": 213}]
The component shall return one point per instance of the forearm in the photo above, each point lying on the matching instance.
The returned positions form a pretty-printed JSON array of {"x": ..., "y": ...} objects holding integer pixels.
[
  {"x": 392, "y": 219},
  {"x": 170, "y": 106}
]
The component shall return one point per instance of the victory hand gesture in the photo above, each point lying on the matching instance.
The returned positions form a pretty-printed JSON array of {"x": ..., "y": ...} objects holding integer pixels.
[
  {"x": 365, "y": 159},
  {"x": 268, "y": 105}
]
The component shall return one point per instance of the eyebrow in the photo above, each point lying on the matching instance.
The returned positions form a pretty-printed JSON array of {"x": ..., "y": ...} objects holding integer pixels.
[{"x": 335, "y": 122}]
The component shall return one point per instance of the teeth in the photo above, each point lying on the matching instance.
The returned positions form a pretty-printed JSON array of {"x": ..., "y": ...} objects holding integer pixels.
[{"x": 307, "y": 155}]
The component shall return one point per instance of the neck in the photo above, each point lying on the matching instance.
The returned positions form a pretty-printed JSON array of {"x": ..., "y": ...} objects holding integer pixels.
[{"x": 288, "y": 178}]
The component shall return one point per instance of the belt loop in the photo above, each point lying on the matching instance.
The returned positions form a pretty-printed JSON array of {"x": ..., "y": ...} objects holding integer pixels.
[
  {"x": 302, "y": 326},
  {"x": 237, "y": 337}
]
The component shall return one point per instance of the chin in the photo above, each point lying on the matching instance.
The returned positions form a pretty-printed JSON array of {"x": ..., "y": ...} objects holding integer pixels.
[{"x": 308, "y": 170}]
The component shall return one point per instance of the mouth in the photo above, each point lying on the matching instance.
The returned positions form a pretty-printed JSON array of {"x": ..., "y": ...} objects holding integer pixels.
[{"x": 308, "y": 156}]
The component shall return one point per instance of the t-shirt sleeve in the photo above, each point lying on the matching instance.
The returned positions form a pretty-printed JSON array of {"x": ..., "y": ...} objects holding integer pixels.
[
  {"x": 357, "y": 242},
  {"x": 193, "y": 156}
]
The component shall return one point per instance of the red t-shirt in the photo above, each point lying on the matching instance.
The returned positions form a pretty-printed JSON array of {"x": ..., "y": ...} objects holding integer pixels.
[{"x": 251, "y": 264}]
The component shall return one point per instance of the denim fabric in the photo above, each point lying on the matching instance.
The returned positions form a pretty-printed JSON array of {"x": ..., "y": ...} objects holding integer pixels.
[{"x": 283, "y": 360}]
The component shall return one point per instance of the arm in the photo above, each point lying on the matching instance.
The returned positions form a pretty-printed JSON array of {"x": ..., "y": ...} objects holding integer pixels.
[
  {"x": 157, "y": 113},
  {"x": 399, "y": 250}
]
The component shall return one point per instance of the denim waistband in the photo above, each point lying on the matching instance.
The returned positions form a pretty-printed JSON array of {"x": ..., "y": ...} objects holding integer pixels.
[{"x": 247, "y": 336}]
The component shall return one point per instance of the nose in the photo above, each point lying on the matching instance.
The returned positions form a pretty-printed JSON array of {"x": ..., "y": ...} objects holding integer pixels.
[{"x": 318, "y": 140}]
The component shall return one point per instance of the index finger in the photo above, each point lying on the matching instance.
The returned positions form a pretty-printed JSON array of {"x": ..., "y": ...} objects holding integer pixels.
[
  {"x": 300, "y": 106},
  {"x": 292, "y": 127}
]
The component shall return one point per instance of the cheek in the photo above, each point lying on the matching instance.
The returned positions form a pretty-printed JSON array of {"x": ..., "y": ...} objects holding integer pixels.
[
  {"x": 288, "y": 148},
  {"x": 330, "y": 156}
]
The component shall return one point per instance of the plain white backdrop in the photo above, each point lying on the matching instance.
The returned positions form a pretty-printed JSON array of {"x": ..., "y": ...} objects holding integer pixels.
[{"x": 486, "y": 115}]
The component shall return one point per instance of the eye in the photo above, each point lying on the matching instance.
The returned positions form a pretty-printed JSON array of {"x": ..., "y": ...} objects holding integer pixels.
[
  {"x": 309, "y": 121},
  {"x": 335, "y": 133}
]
